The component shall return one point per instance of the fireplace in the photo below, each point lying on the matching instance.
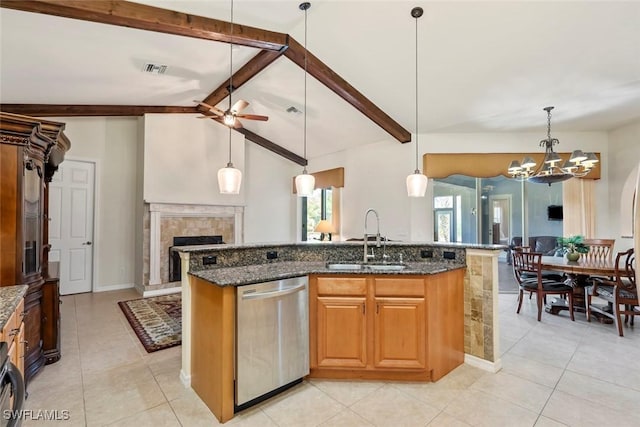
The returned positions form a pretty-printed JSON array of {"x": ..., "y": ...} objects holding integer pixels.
[{"x": 175, "y": 271}]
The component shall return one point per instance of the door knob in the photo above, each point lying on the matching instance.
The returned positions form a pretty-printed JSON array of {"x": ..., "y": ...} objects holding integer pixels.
[{"x": 87, "y": 243}]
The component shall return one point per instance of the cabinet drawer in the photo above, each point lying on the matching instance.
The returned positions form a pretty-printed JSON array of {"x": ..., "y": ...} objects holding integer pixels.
[
  {"x": 394, "y": 286},
  {"x": 342, "y": 286}
]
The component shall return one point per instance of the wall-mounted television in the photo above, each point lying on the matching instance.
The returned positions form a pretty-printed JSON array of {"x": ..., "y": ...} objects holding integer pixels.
[{"x": 554, "y": 212}]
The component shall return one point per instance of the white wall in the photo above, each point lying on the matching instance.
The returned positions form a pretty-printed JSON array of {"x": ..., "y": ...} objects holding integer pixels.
[
  {"x": 182, "y": 156},
  {"x": 270, "y": 213},
  {"x": 112, "y": 144},
  {"x": 624, "y": 153},
  {"x": 375, "y": 177}
]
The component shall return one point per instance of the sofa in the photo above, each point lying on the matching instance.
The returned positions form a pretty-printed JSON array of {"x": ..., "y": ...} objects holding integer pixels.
[{"x": 547, "y": 245}]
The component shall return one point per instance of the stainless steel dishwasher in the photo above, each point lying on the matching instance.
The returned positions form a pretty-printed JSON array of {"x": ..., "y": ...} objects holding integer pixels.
[{"x": 272, "y": 338}]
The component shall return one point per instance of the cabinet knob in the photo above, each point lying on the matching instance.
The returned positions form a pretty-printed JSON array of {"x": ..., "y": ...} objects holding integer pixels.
[{"x": 26, "y": 344}]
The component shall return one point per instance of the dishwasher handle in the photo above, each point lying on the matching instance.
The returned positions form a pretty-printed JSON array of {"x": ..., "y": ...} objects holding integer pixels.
[{"x": 272, "y": 294}]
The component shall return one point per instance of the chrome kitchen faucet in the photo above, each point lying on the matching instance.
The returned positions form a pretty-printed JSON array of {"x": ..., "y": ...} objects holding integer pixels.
[{"x": 371, "y": 255}]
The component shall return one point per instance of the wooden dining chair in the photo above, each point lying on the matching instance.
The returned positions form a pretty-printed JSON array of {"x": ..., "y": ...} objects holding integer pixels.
[
  {"x": 528, "y": 273},
  {"x": 599, "y": 249},
  {"x": 621, "y": 291}
]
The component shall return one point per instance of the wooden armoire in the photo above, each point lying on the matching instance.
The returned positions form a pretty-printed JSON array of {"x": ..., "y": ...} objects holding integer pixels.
[{"x": 30, "y": 151}]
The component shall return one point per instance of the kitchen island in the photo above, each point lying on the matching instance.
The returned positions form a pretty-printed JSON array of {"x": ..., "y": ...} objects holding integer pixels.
[{"x": 364, "y": 322}]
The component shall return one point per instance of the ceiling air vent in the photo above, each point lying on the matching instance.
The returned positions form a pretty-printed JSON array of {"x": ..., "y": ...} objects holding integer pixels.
[{"x": 154, "y": 68}]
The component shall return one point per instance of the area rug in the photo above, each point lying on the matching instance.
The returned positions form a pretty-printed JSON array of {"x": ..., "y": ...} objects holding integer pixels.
[{"x": 157, "y": 321}]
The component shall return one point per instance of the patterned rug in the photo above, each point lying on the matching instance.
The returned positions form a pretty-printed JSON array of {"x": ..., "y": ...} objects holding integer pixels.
[{"x": 157, "y": 321}]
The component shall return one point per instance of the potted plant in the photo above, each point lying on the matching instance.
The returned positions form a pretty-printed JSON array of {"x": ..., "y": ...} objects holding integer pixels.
[{"x": 573, "y": 246}]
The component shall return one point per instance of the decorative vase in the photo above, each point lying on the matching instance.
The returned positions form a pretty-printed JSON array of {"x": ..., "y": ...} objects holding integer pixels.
[{"x": 573, "y": 256}]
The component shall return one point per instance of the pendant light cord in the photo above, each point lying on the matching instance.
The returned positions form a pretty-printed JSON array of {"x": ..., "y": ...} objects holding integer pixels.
[
  {"x": 417, "y": 170},
  {"x": 305, "y": 87},
  {"x": 230, "y": 80}
]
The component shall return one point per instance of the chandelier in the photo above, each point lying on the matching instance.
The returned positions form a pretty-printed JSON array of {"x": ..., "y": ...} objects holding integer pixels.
[{"x": 550, "y": 170}]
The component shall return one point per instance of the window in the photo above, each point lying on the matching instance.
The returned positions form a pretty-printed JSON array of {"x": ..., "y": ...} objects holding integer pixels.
[{"x": 316, "y": 208}]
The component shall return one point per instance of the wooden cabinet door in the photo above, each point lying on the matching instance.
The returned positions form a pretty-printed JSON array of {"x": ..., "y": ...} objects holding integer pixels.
[
  {"x": 341, "y": 332},
  {"x": 400, "y": 333}
]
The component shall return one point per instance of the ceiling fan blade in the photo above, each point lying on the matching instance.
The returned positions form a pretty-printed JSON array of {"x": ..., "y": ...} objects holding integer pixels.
[
  {"x": 253, "y": 117},
  {"x": 237, "y": 124},
  {"x": 214, "y": 110},
  {"x": 240, "y": 105}
]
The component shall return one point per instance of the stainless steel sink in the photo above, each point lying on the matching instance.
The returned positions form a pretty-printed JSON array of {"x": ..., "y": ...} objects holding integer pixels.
[
  {"x": 386, "y": 267},
  {"x": 343, "y": 266}
]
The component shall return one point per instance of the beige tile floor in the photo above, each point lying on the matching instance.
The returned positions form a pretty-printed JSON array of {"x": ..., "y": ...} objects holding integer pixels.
[{"x": 555, "y": 372}]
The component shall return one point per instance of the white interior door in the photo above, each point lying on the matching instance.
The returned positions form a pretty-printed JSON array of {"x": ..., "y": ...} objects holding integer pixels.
[
  {"x": 500, "y": 219},
  {"x": 71, "y": 225}
]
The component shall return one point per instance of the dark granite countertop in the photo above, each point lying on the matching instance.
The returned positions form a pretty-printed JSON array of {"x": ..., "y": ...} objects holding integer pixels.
[
  {"x": 245, "y": 275},
  {"x": 10, "y": 296}
]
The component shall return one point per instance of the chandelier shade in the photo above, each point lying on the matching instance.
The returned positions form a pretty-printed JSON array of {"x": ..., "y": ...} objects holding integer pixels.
[{"x": 549, "y": 171}]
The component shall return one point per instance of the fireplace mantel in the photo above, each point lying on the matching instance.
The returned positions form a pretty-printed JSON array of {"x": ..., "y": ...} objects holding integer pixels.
[{"x": 157, "y": 211}]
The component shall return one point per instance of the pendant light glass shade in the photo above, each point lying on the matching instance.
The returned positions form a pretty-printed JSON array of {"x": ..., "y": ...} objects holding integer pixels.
[
  {"x": 416, "y": 184},
  {"x": 229, "y": 179},
  {"x": 305, "y": 184}
]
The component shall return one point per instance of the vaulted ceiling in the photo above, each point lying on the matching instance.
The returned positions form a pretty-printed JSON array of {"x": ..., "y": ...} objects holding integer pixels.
[{"x": 483, "y": 66}]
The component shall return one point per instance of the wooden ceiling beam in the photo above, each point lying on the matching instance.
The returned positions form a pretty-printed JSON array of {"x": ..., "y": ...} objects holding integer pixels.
[
  {"x": 143, "y": 17},
  {"x": 273, "y": 147},
  {"x": 326, "y": 76},
  {"x": 60, "y": 110},
  {"x": 134, "y": 15},
  {"x": 249, "y": 70}
]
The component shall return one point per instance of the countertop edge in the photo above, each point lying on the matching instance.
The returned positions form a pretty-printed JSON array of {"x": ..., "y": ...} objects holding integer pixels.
[
  {"x": 10, "y": 297},
  {"x": 233, "y": 276}
]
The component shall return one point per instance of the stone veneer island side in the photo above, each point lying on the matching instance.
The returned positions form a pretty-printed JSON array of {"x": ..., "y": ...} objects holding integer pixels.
[{"x": 432, "y": 271}]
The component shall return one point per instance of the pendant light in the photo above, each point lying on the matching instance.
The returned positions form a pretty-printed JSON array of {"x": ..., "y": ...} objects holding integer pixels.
[
  {"x": 305, "y": 183},
  {"x": 416, "y": 182},
  {"x": 230, "y": 178}
]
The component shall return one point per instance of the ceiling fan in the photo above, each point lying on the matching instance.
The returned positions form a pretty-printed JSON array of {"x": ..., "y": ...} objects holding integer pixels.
[{"x": 230, "y": 117}]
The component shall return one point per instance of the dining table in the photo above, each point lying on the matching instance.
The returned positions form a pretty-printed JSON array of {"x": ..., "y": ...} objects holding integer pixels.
[{"x": 577, "y": 272}]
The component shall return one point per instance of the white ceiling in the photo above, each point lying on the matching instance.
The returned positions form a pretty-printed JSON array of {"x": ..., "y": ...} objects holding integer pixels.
[{"x": 483, "y": 66}]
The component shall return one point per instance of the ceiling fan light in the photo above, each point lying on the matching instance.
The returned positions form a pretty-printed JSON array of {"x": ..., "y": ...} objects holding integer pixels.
[
  {"x": 229, "y": 179},
  {"x": 229, "y": 119},
  {"x": 305, "y": 184},
  {"x": 416, "y": 184}
]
